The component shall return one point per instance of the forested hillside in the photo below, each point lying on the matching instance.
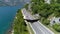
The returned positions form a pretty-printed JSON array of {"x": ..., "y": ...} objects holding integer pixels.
[{"x": 45, "y": 9}]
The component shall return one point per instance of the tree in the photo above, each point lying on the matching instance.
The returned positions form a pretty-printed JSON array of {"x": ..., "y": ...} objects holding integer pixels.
[
  {"x": 26, "y": 6},
  {"x": 57, "y": 27},
  {"x": 20, "y": 26},
  {"x": 46, "y": 22},
  {"x": 58, "y": 1}
]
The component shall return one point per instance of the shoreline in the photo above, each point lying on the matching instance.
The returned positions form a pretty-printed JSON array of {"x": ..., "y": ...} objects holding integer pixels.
[{"x": 10, "y": 30}]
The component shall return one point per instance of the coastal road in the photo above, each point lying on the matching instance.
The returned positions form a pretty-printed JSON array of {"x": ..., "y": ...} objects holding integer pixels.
[{"x": 37, "y": 27}]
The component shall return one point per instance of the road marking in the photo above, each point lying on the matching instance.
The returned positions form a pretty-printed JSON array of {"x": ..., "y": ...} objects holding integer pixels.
[
  {"x": 33, "y": 29},
  {"x": 38, "y": 28},
  {"x": 46, "y": 28}
]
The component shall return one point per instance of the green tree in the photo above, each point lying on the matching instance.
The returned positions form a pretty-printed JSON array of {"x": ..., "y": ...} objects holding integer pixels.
[
  {"x": 57, "y": 27},
  {"x": 20, "y": 26},
  {"x": 46, "y": 22},
  {"x": 26, "y": 6}
]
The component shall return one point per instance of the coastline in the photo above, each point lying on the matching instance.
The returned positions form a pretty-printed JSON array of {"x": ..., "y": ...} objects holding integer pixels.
[{"x": 10, "y": 30}]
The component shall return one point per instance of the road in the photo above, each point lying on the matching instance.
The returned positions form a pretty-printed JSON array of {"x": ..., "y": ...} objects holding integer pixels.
[{"x": 37, "y": 27}]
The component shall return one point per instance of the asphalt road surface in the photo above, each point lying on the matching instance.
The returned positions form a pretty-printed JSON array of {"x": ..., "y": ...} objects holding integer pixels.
[{"x": 37, "y": 26}]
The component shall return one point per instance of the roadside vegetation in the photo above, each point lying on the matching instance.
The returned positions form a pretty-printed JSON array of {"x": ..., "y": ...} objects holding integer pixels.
[
  {"x": 45, "y": 11},
  {"x": 56, "y": 27},
  {"x": 20, "y": 26},
  {"x": 26, "y": 6}
]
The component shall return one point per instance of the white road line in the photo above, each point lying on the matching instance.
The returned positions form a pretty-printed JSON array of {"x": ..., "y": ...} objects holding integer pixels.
[
  {"x": 36, "y": 26},
  {"x": 46, "y": 28},
  {"x": 33, "y": 29},
  {"x": 29, "y": 23},
  {"x": 39, "y": 29}
]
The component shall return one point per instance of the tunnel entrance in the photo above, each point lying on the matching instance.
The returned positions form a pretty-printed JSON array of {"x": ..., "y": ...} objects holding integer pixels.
[{"x": 31, "y": 20}]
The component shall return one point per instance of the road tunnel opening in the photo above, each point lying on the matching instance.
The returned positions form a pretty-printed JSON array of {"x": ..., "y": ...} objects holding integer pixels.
[{"x": 32, "y": 21}]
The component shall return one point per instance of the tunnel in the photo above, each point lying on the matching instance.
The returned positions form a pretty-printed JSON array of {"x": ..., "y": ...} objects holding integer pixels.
[{"x": 28, "y": 20}]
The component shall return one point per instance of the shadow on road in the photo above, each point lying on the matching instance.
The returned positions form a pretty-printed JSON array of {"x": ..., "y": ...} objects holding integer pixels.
[{"x": 32, "y": 21}]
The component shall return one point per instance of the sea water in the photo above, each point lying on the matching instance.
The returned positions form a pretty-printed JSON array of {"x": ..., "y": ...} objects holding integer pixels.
[{"x": 7, "y": 14}]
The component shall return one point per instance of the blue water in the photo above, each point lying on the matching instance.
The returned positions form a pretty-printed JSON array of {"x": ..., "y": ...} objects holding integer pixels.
[{"x": 7, "y": 14}]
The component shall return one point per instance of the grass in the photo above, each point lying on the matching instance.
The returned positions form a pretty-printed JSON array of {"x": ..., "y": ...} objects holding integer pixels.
[
  {"x": 30, "y": 28},
  {"x": 53, "y": 29},
  {"x": 50, "y": 27}
]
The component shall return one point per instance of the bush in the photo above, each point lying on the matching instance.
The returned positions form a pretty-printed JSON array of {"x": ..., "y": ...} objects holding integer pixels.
[
  {"x": 26, "y": 6},
  {"x": 46, "y": 22},
  {"x": 44, "y": 9},
  {"x": 20, "y": 26},
  {"x": 56, "y": 27}
]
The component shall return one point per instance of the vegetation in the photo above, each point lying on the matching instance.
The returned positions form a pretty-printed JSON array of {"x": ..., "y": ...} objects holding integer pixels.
[
  {"x": 46, "y": 22},
  {"x": 26, "y": 6},
  {"x": 45, "y": 10},
  {"x": 19, "y": 25},
  {"x": 57, "y": 27}
]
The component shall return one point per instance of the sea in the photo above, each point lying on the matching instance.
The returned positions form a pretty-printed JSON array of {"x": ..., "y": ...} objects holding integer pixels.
[{"x": 7, "y": 14}]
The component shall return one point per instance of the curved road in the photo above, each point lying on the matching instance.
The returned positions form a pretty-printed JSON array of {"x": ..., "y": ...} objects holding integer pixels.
[{"x": 37, "y": 27}]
